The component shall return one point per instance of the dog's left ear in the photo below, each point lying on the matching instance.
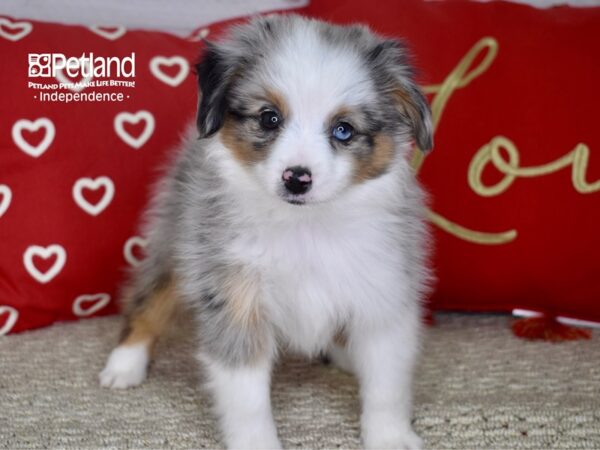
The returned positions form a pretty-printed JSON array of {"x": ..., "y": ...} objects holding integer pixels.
[
  {"x": 214, "y": 72},
  {"x": 390, "y": 58}
]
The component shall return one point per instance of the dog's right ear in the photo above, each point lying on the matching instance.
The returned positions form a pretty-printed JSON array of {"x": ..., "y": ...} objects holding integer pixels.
[{"x": 214, "y": 75}]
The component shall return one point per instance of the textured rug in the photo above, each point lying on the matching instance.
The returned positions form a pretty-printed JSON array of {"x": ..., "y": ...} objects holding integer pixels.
[{"x": 477, "y": 387}]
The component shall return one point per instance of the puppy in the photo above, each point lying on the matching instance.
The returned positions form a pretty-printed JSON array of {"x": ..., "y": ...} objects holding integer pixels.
[{"x": 294, "y": 222}]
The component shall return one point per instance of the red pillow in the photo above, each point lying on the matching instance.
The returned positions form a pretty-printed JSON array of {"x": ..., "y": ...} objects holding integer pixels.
[
  {"x": 74, "y": 176},
  {"x": 515, "y": 173}
]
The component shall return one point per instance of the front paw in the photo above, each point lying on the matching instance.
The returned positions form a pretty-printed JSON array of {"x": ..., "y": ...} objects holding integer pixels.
[
  {"x": 245, "y": 432},
  {"x": 383, "y": 428},
  {"x": 126, "y": 367},
  {"x": 400, "y": 438}
]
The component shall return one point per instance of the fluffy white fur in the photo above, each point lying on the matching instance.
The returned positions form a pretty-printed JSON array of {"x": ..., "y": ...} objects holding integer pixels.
[
  {"x": 126, "y": 366},
  {"x": 242, "y": 403},
  {"x": 351, "y": 258}
]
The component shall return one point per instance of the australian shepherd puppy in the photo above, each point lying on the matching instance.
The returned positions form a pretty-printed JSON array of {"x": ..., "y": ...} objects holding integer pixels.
[{"x": 294, "y": 222}]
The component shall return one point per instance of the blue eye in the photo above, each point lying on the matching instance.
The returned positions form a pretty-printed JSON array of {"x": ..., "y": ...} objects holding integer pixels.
[{"x": 343, "y": 131}]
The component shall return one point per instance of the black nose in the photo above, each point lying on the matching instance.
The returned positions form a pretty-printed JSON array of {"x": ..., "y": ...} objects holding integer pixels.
[{"x": 297, "y": 180}]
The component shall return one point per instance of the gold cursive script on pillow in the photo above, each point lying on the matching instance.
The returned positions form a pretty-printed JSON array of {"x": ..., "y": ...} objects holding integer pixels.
[{"x": 490, "y": 153}]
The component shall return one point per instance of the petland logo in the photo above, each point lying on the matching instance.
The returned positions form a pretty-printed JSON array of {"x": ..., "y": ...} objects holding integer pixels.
[
  {"x": 86, "y": 66},
  {"x": 86, "y": 78}
]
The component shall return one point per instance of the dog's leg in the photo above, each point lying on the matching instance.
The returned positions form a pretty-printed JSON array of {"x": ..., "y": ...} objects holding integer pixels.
[
  {"x": 147, "y": 318},
  {"x": 237, "y": 350},
  {"x": 384, "y": 359},
  {"x": 241, "y": 397}
]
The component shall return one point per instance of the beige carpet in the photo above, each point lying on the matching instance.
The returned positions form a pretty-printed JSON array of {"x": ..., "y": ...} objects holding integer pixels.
[{"x": 477, "y": 387}]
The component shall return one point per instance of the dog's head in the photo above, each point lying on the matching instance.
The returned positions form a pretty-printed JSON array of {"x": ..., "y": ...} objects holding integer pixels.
[{"x": 311, "y": 109}]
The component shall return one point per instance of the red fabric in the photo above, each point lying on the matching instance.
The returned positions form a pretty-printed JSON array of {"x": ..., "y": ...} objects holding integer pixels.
[
  {"x": 43, "y": 210},
  {"x": 541, "y": 91}
]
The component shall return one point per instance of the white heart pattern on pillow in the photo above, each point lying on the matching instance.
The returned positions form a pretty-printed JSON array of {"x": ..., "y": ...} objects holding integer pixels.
[
  {"x": 110, "y": 33},
  {"x": 6, "y": 198},
  {"x": 131, "y": 243},
  {"x": 45, "y": 253},
  {"x": 23, "y": 27},
  {"x": 87, "y": 304},
  {"x": 93, "y": 184},
  {"x": 72, "y": 85},
  {"x": 24, "y": 124},
  {"x": 135, "y": 142},
  {"x": 158, "y": 61},
  {"x": 11, "y": 318}
]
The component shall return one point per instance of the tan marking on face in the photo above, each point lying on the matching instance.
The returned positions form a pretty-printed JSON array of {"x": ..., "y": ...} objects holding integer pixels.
[
  {"x": 277, "y": 100},
  {"x": 149, "y": 321},
  {"x": 377, "y": 162},
  {"x": 242, "y": 291},
  {"x": 242, "y": 149},
  {"x": 342, "y": 112}
]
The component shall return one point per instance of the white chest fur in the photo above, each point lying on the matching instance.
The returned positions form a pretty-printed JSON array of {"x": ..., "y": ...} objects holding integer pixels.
[{"x": 323, "y": 267}]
